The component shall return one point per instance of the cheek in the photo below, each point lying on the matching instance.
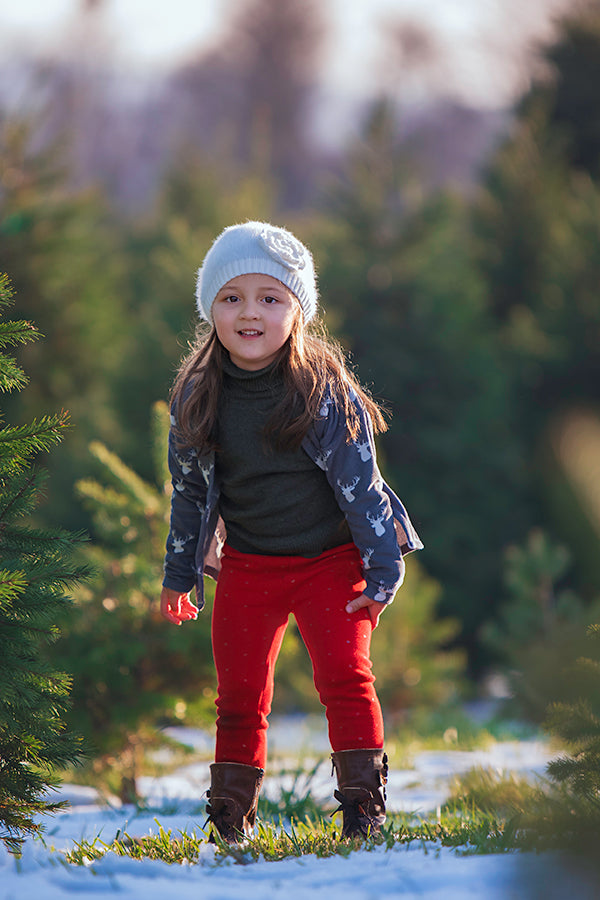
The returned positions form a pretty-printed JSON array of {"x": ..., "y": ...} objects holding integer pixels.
[
  {"x": 219, "y": 320},
  {"x": 290, "y": 321}
]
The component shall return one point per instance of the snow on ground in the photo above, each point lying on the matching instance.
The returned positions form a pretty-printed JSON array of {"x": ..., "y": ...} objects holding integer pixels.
[{"x": 378, "y": 874}]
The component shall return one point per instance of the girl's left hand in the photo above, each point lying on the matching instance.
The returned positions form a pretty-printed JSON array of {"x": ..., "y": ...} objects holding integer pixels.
[{"x": 374, "y": 606}]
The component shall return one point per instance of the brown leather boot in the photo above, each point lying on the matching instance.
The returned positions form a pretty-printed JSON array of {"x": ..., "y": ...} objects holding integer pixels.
[
  {"x": 233, "y": 800},
  {"x": 361, "y": 776}
]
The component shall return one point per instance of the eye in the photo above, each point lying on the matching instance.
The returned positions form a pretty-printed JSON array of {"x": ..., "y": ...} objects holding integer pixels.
[
  {"x": 231, "y": 298},
  {"x": 271, "y": 300}
]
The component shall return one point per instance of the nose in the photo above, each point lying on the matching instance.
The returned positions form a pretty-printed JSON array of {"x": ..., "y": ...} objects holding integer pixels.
[{"x": 250, "y": 310}]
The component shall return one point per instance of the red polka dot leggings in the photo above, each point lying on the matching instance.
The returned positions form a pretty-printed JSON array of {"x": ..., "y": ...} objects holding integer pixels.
[{"x": 254, "y": 598}]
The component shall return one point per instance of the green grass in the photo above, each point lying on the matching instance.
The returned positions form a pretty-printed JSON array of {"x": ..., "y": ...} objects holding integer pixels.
[
  {"x": 481, "y": 816},
  {"x": 486, "y": 812},
  {"x": 475, "y": 833},
  {"x": 502, "y": 794},
  {"x": 466, "y": 832}
]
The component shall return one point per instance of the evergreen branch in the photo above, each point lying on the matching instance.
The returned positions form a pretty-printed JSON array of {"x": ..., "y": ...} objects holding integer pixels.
[
  {"x": 11, "y": 584},
  {"x": 48, "y": 576},
  {"x": 581, "y": 773},
  {"x": 135, "y": 486},
  {"x": 14, "y": 499},
  {"x": 25, "y": 627},
  {"x": 44, "y": 679},
  {"x": 20, "y": 496},
  {"x": 12, "y": 376},
  {"x": 18, "y": 444},
  {"x": 43, "y": 693},
  {"x": 6, "y": 291},
  {"x": 36, "y": 542},
  {"x": 573, "y": 722},
  {"x": 89, "y": 489},
  {"x": 40, "y": 434},
  {"x": 19, "y": 332}
]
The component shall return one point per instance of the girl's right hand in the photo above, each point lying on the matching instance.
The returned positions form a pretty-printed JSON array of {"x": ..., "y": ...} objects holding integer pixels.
[
  {"x": 374, "y": 606},
  {"x": 177, "y": 607}
]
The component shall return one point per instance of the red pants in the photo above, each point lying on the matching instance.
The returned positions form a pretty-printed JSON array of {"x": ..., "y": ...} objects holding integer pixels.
[{"x": 253, "y": 600}]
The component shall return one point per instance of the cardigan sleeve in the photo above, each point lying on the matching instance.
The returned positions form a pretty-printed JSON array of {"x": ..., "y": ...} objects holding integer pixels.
[
  {"x": 188, "y": 503},
  {"x": 368, "y": 504}
]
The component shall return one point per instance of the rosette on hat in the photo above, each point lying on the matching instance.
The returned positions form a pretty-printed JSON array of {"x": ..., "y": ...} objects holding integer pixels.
[{"x": 284, "y": 247}]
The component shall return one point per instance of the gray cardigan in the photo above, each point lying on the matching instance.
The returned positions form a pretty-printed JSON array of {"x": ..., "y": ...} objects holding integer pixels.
[{"x": 378, "y": 521}]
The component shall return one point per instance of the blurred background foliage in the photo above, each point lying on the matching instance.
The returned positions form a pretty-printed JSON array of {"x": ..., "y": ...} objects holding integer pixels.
[{"x": 459, "y": 261}]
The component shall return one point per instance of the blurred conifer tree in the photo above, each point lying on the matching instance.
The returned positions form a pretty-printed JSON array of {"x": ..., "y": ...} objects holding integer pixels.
[
  {"x": 37, "y": 568},
  {"x": 132, "y": 669},
  {"x": 540, "y": 629},
  {"x": 535, "y": 238},
  {"x": 567, "y": 87},
  {"x": 578, "y": 724},
  {"x": 62, "y": 251},
  {"x": 567, "y": 817}
]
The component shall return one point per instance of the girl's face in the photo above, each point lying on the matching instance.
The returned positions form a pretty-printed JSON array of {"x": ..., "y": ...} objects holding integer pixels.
[{"x": 253, "y": 316}]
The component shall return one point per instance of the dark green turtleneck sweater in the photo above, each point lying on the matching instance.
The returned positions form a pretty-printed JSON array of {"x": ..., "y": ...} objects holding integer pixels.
[{"x": 274, "y": 502}]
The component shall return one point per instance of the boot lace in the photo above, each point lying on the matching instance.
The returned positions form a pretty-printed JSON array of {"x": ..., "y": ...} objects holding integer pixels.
[
  {"x": 219, "y": 814},
  {"x": 357, "y": 820}
]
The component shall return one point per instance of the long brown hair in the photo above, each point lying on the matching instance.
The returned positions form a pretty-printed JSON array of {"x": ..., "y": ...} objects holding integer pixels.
[{"x": 309, "y": 361}]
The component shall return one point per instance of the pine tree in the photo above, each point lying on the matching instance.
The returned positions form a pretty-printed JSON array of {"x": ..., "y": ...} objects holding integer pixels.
[
  {"x": 37, "y": 567},
  {"x": 535, "y": 236},
  {"x": 568, "y": 816},
  {"x": 132, "y": 669},
  {"x": 540, "y": 629},
  {"x": 62, "y": 249},
  {"x": 578, "y": 724},
  {"x": 535, "y": 603},
  {"x": 571, "y": 68}
]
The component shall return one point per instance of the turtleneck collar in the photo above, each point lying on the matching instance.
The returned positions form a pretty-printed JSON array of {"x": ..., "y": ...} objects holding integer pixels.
[{"x": 252, "y": 380}]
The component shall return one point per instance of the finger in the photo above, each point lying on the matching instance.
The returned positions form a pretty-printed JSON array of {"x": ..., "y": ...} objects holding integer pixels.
[
  {"x": 172, "y": 617},
  {"x": 186, "y": 615},
  {"x": 189, "y": 609},
  {"x": 170, "y": 608},
  {"x": 375, "y": 611},
  {"x": 357, "y": 604}
]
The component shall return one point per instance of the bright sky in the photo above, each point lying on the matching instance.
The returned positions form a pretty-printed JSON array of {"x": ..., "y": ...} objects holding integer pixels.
[{"x": 482, "y": 40}]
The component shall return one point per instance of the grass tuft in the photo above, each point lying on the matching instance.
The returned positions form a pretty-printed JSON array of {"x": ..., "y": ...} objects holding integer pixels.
[
  {"x": 487, "y": 812},
  {"x": 475, "y": 832}
]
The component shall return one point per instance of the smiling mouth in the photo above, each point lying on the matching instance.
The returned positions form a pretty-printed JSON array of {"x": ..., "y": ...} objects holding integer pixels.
[{"x": 250, "y": 332}]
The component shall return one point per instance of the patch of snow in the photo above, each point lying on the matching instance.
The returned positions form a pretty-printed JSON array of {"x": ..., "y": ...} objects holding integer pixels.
[
  {"x": 194, "y": 738},
  {"x": 407, "y": 872},
  {"x": 80, "y": 795},
  {"x": 378, "y": 874}
]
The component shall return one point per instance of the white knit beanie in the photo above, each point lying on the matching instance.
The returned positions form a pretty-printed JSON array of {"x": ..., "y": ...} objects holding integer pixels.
[{"x": 257, "y": 247}]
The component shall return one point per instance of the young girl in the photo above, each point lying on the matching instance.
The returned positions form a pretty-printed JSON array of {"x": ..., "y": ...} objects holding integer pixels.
[{"x": 278, "y": 496}]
